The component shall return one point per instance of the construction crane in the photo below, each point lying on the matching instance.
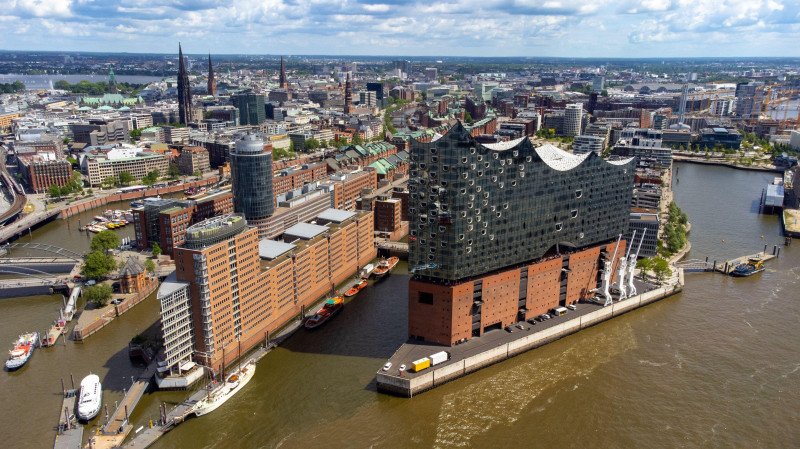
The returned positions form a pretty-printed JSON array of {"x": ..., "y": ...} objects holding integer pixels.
[
  {"x": 632, "y": 264},
  {"x": 621, "y": 269}
]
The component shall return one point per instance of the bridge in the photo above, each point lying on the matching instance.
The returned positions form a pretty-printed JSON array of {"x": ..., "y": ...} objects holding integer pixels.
[
  {"x": 63, "y": 252},
  {"x": 400, "y": 247}
]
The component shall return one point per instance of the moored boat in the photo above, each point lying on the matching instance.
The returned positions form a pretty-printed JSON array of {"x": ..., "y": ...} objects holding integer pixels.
[
  {"x": 367, "y": 270},
  {"x": 752, "y": 266},
  {"x": 356, "y": 288},
  {"x": 91, "y": 397},
  {"x": 22, "y": 350},
  {"x": 331, "y": 307},
  {"x": 385, "y": 266},
  {"x": 222, "y": 393}
]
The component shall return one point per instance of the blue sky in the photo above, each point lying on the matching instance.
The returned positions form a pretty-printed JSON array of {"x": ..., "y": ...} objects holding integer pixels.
[{"x": 606, "y": 28}]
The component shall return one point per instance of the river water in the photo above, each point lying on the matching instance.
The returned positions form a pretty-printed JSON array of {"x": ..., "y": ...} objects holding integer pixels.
[{"x": 715, "y": 366}]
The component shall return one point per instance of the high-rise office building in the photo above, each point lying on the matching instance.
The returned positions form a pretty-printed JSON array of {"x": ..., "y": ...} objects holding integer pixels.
[
  {"x": 251, "y": 108},
  {"x": 378, "y": 89},
  {"x": 212, "y": 83},
  {"x": 749, "y": 97},
  {"x": 573, "y": 118},
  {"x": 506, "y": 231},
  {"x": 184, "y": 91},
  {"x": 251, "y": 176},
  {"x": 598, "y": 82}
]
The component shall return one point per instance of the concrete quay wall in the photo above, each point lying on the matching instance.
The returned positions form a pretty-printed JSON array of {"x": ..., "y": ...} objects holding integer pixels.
[{"x": 410, "y": 386}]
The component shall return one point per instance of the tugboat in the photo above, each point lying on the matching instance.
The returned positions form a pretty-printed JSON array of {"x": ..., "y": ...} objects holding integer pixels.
[
  {"x": 385, "y": 266},
  {"x": 23, "y": 350},
  {"x": 331, "y": 308},
  {"x": 752, "y": 266},
  {"x": 356, "y": 288}
]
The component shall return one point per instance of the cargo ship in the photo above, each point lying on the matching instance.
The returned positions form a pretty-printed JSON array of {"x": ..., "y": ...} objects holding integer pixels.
[
  {"x": 331, "y": 308},
  {"x": 22, "y": 351},
  {"x": 91, "y": 397},
  {"x": 752, "y": 266},
  {"x": 356, "y": 288},
  {"x": 222, "y": 393},
  {"x": 385, "y": 266}
]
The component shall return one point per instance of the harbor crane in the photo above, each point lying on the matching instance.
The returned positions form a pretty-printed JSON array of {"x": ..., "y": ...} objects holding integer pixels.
[
  {"x": 622, "y": 269},
  {"x": 607, "y": 269},
  {"x": 632, "y": 264}
]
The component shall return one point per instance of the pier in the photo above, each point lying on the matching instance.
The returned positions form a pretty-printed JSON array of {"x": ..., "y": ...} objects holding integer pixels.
[
  {"x": 69, "y": 433},
  {"x": 727, "y": 266},
  {"x": 499, "y": 345},
  {"x": 118, "y": 426}
]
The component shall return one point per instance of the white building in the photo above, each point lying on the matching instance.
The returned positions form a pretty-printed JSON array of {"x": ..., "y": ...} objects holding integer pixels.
[
  {"x": 586, "y": 144},
  {"x": 573, "y": 115}
]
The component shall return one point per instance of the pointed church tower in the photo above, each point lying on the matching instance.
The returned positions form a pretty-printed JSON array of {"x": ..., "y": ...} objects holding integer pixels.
[
  {"x": 212, "y": 83},
  {"x": 284, "y": 82},
  {"x": 184, "y": 91},
  {"x": 112, "y": 82},
  {"x": 348, "y": 96}
]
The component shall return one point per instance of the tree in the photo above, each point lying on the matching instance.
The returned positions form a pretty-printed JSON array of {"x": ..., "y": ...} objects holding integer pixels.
[
  {"x": 98, "y": 294},
  {"x": 54, "y": 191},
  {"x": 156, "y": 249},
  {"x": 357, "y": 140},
  {"x": 197, "y": 174},
  {"x": 661, "y": 268},
  {"x": 98, "y": 264},
  {"x": 291, "y": 147},
  {"x": 150, "y": 266},
  {"x": 109, "y": 182},
  {"x": 311, "y": 144},
  {"x": 645, "y": 265},
  {"x": 136, "y": 134},
  {"x": 126, "y": 178},
  {"x": 148, "y": 181},
  {"x": 173, "y": 171},
  {"x": 467, "y": 117},
  {"x": 154, "y": 174}
]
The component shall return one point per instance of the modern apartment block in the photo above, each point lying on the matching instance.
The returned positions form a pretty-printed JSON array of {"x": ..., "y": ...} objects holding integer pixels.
[
  {"x": 230, "y": 286},
  {"x": 506, "y": 231},
  {"x": 586, "y": 144}
]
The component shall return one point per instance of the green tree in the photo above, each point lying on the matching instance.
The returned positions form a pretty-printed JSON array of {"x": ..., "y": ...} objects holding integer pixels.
[
  {"x": 173, "y": 171},
  {"x": 311, "y": 144},
  {"x": 661, "y": 268},
  {"x": 291, "y": 147},
  {"x": 109, "y": 182},
  {"x": 104, "y": 241},
  {"x": 148, "y": 181},
  {"x": 97, "y": 264},
  {"x": 154, "y": 174},
  {"x": 126, "y": 178},
  {"x": 98, "y": 294},
  {"x": 136, "y": 134},
  {"x": 645, "y": 265},
  {"x": 54, "y": 191},
  {"x": 467, "y": 117},
  {"x": 197, "y": 174},
  {"x": 357, "y": 140},
  {"x": 156, "y": 249},
  {"x": 150, "y": 266}
]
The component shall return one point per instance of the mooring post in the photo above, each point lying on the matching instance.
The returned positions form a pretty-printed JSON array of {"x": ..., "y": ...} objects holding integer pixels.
[
  {"x": 73, "y": 380},
  {"x": 779, "y": 253},
  {"x": 774, "y": 249},
  {"x": 63, "y": 388}
]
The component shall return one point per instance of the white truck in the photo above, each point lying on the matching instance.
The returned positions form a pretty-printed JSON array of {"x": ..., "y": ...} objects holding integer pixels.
[{"x": 439, "y": 357}]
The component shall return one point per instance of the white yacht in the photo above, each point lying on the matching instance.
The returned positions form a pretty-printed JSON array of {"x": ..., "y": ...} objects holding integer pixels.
[
  {"x": 222, "y": 393},
  {"x": 91, "y": 398}
]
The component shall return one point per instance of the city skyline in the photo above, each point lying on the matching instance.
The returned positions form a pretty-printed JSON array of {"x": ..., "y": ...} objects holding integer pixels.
[{"x": 460, "y": 28}]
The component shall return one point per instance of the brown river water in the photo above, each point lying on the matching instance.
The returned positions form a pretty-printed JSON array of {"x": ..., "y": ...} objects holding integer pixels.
[{"x": 715, "y": 366}]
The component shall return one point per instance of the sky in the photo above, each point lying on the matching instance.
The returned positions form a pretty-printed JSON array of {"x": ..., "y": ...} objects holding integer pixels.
[{"x": 588, "y": 28}]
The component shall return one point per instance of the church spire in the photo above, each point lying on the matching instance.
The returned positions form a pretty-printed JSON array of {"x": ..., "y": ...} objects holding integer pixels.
[
  {"x": 212, "y": 83},
  {"x": 112, "y": 82},
  {"x": 184, "y": 91},
  {"x": 284, "y": 83}
]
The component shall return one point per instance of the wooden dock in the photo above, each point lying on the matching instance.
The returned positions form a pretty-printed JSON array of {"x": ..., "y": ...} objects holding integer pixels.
[{"x": 69, "y": 434}]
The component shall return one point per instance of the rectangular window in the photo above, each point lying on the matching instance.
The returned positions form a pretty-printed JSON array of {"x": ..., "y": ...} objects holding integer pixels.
[{"x": 425, "y": 298}]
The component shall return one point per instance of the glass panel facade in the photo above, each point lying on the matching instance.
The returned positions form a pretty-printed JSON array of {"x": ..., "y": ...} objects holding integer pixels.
[
  {"x": 512, "y": 209},
  {"x": 251, "y": 176}
]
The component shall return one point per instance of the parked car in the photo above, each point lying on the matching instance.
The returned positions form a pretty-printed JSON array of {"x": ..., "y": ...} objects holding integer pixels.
[
  {"x": 571, "y": 307},
  {"x": 532, "y": 321},
  {"x": 510, "y": 329},
  {"x": 402, "y": 368},
  {"x": 387, "y": 366},
  {"x": 544, "y": 317},
  {"x": 520, "y": 326},
  {"x": 77, "y": 276},
  {"x": 116, "y": 301}
]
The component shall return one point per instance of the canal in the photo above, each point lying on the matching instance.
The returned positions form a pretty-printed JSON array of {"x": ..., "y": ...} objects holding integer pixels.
[{"x": 715, "y": 366}]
